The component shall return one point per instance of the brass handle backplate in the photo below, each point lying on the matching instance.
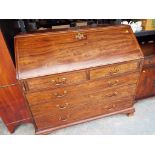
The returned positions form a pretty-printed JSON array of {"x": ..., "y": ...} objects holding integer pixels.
[
  {"x": 80, "y": 36},
  {"x": 114, "y": 71},
  {"x": 59, "y": 81}
]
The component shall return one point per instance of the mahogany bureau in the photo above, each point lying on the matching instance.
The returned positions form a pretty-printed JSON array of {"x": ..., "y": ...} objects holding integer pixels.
[{"x": 70, "y": 76}]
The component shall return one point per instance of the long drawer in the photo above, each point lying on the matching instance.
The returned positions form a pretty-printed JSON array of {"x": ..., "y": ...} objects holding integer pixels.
[
  {"x": 57, "y": 106},
  {"x": 80, "y": 113},
  {"x": 55, "y": 81},
  {"x": 81, "y": 89},
  {"x": 114, "y": 69}
]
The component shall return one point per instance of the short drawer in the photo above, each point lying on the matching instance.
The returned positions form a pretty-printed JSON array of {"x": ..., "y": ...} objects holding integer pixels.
[
  {"x": 55, "y": 81},
  {"x": 57, "y": 106},
  {"x": 80, "y": 113},
  {"x": 81, "y": 89},
  {"x": 114, "y": 69}
]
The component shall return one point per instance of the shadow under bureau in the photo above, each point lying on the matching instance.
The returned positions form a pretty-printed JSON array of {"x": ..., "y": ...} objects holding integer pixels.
[{"x": 75, "y": 75}]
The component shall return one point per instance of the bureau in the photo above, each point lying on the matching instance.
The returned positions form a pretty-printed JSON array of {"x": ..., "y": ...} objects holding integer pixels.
[{"x": 70, "y": 76}]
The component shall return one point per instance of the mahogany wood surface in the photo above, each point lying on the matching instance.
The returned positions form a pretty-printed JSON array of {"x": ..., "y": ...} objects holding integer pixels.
[
  {"x": 114, "y": 70},
  {"x": 75, "y": 75},
  {"x": 82, "y": 112},
  {"x": 129, "y": 111},
  {"x": 7, "y": 69},
  {"x": 56, "y": 52},
  {"x": 146, "y": 86},
  {"x": 55, "y": 81},
  {"x": 13, "y": 109},
  {"x": 57, "y": 106},
  {"x": 75, "y": 90}
]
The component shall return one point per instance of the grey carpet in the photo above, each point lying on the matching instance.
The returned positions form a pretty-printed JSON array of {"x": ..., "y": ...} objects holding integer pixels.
[{"x": 143, "y": 122}]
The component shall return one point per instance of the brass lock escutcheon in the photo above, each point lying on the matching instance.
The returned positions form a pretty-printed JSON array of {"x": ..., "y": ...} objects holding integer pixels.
[{"x": 80, "y": 36}]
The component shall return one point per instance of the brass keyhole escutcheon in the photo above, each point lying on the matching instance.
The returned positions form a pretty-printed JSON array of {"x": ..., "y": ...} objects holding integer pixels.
[{"x": 80, "y": 36}]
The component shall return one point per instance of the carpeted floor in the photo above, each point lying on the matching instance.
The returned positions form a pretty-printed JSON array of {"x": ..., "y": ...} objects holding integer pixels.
[{"x": 143, "y": 122}]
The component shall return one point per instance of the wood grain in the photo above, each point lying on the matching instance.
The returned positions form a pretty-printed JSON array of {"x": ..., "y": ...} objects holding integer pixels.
[
  {"x": 55, "y": 81},
  {"x": 57, "y": 52},
  {"x": 82, "y": 112},
  {"x": 13, "y": 109},
  {"x": 114, "y": 69},
  {"x": 102, "y": 66},
  {"x": 81, "y": 89},
  {"x": 146, "y": 85},
  {"x": 7, "y": 69},
  {"x": 55, "y": 107}
]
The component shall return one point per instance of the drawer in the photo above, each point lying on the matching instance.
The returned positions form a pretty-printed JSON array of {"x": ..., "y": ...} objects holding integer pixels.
[
  {"x": 57, "y": 106},
  {"x": 80, "y": 113},
  {"x": 55, "y": 81},
  {"x": 114, "y": 69},
  {"x": 81, "y": 89}
]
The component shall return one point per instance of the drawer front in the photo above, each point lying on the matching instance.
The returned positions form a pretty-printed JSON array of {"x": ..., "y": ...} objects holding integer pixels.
[
  {"x": 81, "y": 113},
  {"x": 82, "y": 89},
  {"x": 56, "y": 81},
  {"x": 114, "y": 69},
  {"x": 57, "y": 106}
]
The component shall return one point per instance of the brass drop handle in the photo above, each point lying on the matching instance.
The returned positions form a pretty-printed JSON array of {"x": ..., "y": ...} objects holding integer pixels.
[
  {"x": 111, "y": 95},
  {"x": 59, "y": 81},
  {"x": 80, "y": 36},
  {"x": 64, "y": 106},
  {"x": 113, "y": 83},
  {"x": 61, "y": 95},
  {"x": 63, "y": 118},
  {"x": 114, "y": 71}
]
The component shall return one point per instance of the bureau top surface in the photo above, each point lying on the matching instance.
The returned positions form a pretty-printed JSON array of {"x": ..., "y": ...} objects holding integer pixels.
[{"x": 46, "y": 53}]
